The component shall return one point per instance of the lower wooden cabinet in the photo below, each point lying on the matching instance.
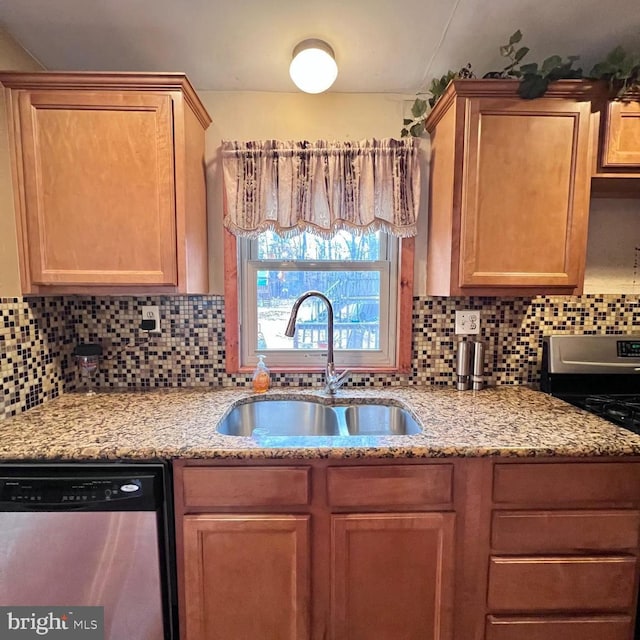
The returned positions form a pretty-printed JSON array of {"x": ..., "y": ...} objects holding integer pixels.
[
  {"x": 246, "y": 576},
  {"x": 392, "y": 576},
  {"x": 454, "y": 549}
]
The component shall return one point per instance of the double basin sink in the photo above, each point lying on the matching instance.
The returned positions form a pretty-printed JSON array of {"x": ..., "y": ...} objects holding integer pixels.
[{"x": 295, "y": 418}]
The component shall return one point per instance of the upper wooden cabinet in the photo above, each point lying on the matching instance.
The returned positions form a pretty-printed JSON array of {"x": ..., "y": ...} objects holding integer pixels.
[
  {"x": 509, "y": 189},
  {"x": 620, "y": 146},
  {"x": 109, "y": 182},
  {"x": 616, "y": 147}
]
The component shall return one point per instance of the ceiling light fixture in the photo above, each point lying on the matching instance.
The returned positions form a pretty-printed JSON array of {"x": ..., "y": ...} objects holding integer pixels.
[{"x": 313, "y": 68}]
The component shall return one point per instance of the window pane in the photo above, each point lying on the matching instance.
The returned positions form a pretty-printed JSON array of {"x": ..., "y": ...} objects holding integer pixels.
[
  {"x": 355, "y": 296},
  {"x": 344, "y": 245}
]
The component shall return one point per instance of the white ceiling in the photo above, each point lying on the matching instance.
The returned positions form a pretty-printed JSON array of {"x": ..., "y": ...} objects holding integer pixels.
[{"x": 393, "y": 46}]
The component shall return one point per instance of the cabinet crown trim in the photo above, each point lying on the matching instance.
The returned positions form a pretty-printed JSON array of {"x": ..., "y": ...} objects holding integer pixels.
[
  {"x": 584, "y": 90},
  {"x": 109, "y": 80}
]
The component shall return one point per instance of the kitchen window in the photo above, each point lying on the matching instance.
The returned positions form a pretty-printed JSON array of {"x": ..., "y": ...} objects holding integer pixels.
[
  {"x": 337, "y": 217},
  {"x": 360, "y": 273}
]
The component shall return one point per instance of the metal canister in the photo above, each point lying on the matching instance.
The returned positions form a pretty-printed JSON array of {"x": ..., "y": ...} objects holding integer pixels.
[
  {"x": 477, "y": 371},
  {"x": 463, "y": 365}
]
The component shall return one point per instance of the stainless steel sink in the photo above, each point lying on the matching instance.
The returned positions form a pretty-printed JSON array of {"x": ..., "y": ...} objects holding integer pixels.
[
  {"x": 296, "y": 418},
  {"x": 280, "y": 418},
  {"x": 379, "y": 420}
]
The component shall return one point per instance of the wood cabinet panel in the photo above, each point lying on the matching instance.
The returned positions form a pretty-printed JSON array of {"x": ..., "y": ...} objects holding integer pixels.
[
  {"x": 109, "y": 182},
  {"x": 246, "y": 577},
  {"x": 245, "y": 486},
  {"x": 90, "y": 162},
  {"x": 512, "y": 217},
  {"x": 525, "y": 210},
  {"x": 567, "y": 484},
  {"x": 598, "y": 583},
  {"x": 568, "y": 628},
  {"x": 392, "y": 576},
  {"x": 620, "y": 147},
  {"x": 390, "y": 486},
  {"x": 527, "y": 532}
]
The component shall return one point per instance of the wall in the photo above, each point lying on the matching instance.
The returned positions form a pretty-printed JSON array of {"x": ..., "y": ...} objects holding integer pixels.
[{"x": 613, "y": 252}]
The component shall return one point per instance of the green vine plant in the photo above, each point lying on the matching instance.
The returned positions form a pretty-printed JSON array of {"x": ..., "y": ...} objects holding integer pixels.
[
  {"x": 621, "y": 69},
  {"x": 414, "y": 126},
  {"x": 534, "y": 78},
  {"x": 513, "y": 54}
]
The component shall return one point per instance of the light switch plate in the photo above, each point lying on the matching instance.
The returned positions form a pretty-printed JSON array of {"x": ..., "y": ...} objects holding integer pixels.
[
  {"x": 468, "y": 322},
  {"x": 152, "y": 312}
]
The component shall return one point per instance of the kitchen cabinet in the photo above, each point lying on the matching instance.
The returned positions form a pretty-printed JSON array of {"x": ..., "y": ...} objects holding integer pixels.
[
  {"x": 450, "y": 549},
  {"x": 616, "y": 147},
  {"x": 246, "y": 576},
  {"x": 345, "y": 550},
  {"x": 391, "y": 569},
  {"x": 245, "y": 557},
  {"x": 109, "y": 182},
  {"x": 393, "y": 573},
  {"x": 509, "y": 189},
  {"x": 620, "y": 144},
  {"x": 563, "y": 557}
]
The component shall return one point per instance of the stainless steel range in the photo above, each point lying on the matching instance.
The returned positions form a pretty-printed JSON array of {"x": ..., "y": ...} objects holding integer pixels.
[{"x": 600, "y": 374}]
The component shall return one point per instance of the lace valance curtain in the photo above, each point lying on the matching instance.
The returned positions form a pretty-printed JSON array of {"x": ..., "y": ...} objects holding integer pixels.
[{"x": 322, "y": 186}]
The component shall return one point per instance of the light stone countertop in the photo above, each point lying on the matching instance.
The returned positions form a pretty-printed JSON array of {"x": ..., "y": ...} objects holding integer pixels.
[{"x": 181, "y": 423}]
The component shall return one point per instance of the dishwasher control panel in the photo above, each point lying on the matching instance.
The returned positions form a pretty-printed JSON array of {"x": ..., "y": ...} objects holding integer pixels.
[{"x": 73, "y": 492}]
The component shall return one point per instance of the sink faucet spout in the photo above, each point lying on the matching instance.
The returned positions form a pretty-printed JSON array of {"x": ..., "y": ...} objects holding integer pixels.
[{"x": 333, "y": 381}]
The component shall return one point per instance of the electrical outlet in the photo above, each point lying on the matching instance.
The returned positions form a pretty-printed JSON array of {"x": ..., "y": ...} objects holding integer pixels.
[
  {"x": 468, "y": 322},
  {"x": 152, "y": 313}
]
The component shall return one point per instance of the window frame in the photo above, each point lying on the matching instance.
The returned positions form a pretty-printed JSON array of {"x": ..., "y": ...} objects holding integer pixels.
[
  {"x": 403, "y": 316},
  {"x": 386, "y": 266}
]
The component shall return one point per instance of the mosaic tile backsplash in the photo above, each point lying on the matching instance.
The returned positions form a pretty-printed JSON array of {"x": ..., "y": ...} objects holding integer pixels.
[
  {"x": 37, "y": 336},
  {"x": 36, "y": 341}
]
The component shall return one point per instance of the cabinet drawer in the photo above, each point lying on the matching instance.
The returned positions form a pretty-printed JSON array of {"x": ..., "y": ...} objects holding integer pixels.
[
  {"x": 561, "y": 584},
  {"x": 583, "y": 628},
  {"x": 526, "y": 532},
  {"x": 390, "y": 485},
  {"x": 245, "y": 487},
  {"x": 567, "y": 483}
]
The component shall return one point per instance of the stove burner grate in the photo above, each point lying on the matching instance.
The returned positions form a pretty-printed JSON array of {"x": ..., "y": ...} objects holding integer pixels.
[{"x": 623, "y": 410}]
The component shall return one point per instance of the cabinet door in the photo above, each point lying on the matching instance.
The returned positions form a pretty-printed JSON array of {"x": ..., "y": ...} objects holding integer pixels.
[
  {"x": 621, "y": 136},
  {"x": 392, "y": 576},
  {"x": 525, "y": 194},
  {"x": 246, "y": 577},
  {"x": 99, "y": 197}
]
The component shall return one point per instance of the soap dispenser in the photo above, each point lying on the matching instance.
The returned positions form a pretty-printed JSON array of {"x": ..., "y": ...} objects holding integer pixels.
[{"x": 261, "y": 376}]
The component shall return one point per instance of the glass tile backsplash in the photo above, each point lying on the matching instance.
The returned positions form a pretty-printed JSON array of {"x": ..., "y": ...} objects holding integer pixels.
[{"x": 37, "y": 337}]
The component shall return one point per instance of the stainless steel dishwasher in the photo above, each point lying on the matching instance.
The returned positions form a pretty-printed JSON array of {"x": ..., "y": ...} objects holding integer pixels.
[{"x": 90, "y": 535}]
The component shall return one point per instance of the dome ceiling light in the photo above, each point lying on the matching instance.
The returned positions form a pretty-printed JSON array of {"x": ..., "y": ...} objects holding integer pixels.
[{"x": 313, "y": 68}]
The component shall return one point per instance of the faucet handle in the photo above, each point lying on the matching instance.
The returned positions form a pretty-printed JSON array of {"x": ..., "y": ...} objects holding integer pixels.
[{"x": 334, "y": 382}]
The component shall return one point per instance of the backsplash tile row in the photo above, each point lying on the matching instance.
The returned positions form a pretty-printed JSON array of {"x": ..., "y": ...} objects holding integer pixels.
[
  {"x": 37, "y": 336},
  {"x": 191, "y": 349}
]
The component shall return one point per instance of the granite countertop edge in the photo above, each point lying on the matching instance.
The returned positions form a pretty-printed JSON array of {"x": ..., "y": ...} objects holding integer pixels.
[{"x": 510, "y": 421}]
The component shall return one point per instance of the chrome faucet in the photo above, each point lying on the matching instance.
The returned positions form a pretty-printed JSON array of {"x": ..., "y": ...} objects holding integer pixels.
[{"x": 333, "y": 381}]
